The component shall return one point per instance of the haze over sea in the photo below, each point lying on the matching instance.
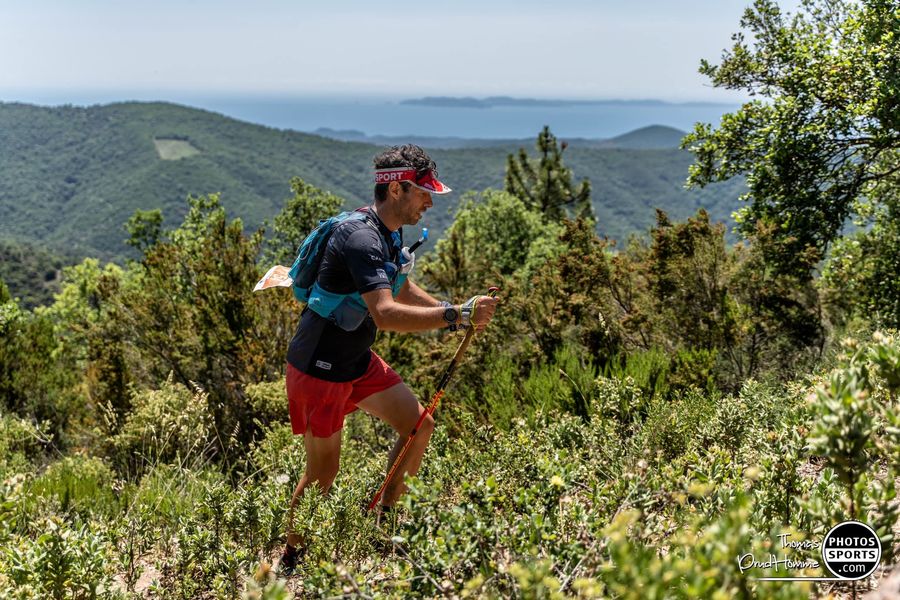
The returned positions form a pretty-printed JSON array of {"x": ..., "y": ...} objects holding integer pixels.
[{"x": 392, "y": 117}]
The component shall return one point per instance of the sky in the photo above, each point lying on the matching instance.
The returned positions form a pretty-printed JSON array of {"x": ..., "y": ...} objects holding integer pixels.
[{"x": 600, "y": 49}]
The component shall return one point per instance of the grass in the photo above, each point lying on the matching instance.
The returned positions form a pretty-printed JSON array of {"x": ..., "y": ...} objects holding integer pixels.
[{"x": 172, "y": 149}]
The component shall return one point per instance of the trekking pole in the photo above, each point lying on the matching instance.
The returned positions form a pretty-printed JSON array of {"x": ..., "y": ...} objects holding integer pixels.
[{"x": 442, "y": 384}]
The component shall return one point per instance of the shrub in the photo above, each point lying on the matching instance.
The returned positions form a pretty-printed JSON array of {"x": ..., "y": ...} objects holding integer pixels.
[
  {"x": 673, "y": 426},
  {"x": 269, "y": 401},
  {"x": 36, "y": 370},
  {"x": 80, "y": 484},
  {"x": 492, "y": 237},
  {"x": 171, "y": 424},
  {"x": 21, "y": 442},
  {"x": 63, "y": 561},
  {"x": 701, "y": 561},
  {"x": 850, "y": 413}
]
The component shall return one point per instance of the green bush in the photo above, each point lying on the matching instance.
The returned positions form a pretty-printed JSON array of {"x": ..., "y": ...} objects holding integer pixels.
[
  {"x": 278, "y": 453},
  {"x": 856, "y": 430},
  {"x": 269, "y": 401},
  {"x": 621, "y": 400},
  {"x": 648, "y": 369},
  {"x": 493, "y": 236},
  {"x": 63, "y": 562},
  {"x": 36, "y": 370},
  {"x": 171, "y": 424},
  {"x": 21, "y": 443},
  {"x": 701, "y": 562},
  {"x": 674, "y": 426},
  {"x": 79, "y": 484}
]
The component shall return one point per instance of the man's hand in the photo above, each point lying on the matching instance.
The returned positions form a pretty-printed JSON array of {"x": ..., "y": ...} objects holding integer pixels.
[{"x": 478, "y": 311}]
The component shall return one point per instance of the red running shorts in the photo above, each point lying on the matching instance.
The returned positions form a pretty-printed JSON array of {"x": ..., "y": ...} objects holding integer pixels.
[{"x": 322, "y": 405}]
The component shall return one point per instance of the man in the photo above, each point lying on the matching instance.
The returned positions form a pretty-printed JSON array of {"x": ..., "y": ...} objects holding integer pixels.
[{"x": 331, "y": 369}]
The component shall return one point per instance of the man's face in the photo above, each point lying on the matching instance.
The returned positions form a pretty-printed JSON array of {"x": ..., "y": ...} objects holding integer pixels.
[{"x": 413, "y": 204}]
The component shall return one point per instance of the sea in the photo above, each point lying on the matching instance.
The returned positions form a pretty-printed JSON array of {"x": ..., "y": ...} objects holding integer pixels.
[{"x": 374, "y": 116}]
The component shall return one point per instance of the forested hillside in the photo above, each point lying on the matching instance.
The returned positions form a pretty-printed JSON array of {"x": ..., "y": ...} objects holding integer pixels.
[{"x": 70, "y": 177}]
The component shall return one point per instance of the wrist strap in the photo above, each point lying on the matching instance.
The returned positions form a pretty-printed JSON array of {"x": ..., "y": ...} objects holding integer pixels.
[{"x": 467, "y": 311}]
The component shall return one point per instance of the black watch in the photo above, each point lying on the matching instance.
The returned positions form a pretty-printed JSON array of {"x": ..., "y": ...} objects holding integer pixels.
[{"x": 451, "y": 315}]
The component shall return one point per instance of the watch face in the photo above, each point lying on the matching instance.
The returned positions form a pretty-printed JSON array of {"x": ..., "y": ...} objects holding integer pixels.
[{"x": 451, "y": 315}]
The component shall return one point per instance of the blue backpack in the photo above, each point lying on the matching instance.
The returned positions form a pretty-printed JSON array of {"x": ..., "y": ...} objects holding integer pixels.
[{"x": 347, "y": 311}]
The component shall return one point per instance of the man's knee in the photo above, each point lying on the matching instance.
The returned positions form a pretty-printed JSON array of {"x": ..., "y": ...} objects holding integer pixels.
[
  {"x": 323, "y": 472},
  {"x": 423, "y": 428},
  {"x": 427, "y": 426}
]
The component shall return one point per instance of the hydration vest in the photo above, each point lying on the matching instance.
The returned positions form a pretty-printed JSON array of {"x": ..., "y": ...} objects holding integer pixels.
[{"x": 347, "y": 311}]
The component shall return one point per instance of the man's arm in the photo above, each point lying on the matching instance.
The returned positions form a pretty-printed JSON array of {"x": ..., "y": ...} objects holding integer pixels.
[
  {"x": 362, "y": 254},
  {"x": 390, "y": 315},
  {"x": 412, "y": 295}
]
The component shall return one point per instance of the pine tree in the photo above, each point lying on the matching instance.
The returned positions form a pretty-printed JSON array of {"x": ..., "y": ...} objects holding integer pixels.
[{"x": 546, "y": 185}]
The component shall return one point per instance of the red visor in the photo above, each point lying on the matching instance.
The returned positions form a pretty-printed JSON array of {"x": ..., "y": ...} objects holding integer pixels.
[{"x": 428, "y": 181}]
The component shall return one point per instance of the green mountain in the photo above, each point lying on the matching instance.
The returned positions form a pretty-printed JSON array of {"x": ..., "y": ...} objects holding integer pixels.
[
  {"x": 71, "y": 176},
  {"x": 647, "y": 138}
]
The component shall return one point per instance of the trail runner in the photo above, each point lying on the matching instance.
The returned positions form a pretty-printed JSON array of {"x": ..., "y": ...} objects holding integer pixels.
[{"x": 331, "y": 372}]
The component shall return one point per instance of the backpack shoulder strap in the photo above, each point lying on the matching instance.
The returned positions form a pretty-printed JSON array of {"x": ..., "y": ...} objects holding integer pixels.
[{"x": 365, "y": 215}]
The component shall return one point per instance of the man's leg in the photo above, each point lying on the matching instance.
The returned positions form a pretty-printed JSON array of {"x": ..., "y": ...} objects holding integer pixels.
[
  {"x": 322, "y": 461},
  {"x": 398, "y": 407}
]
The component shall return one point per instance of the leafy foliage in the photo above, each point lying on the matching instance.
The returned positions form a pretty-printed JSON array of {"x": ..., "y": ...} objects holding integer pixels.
[
  {"x": 859, "y": 399},
  {"x": 168, "y": 425},
  {"x": 20, "y": 442},
  {"x": 35, "y": 371},
  {"x": 718, "y": 313},
  {"x": 187, "y": 309},
  {"x": 300, "y": 215},
  {"x": 493, "y": 236},
  {"x": 824, "y": 133},
  {"x": 860, "y": 277}
]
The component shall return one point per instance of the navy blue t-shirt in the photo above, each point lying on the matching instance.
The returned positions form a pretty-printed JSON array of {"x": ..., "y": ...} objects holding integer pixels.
[{"x": 354, "y": 261}]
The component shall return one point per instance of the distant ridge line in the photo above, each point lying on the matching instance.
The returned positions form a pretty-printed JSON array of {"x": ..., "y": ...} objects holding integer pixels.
[
  {"x": 491, "y": 101},
  {"x": 660, "y": 137}
]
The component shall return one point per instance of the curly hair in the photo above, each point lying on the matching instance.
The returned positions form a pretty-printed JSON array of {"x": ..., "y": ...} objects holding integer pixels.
[{"x": 407, "y": 155}]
